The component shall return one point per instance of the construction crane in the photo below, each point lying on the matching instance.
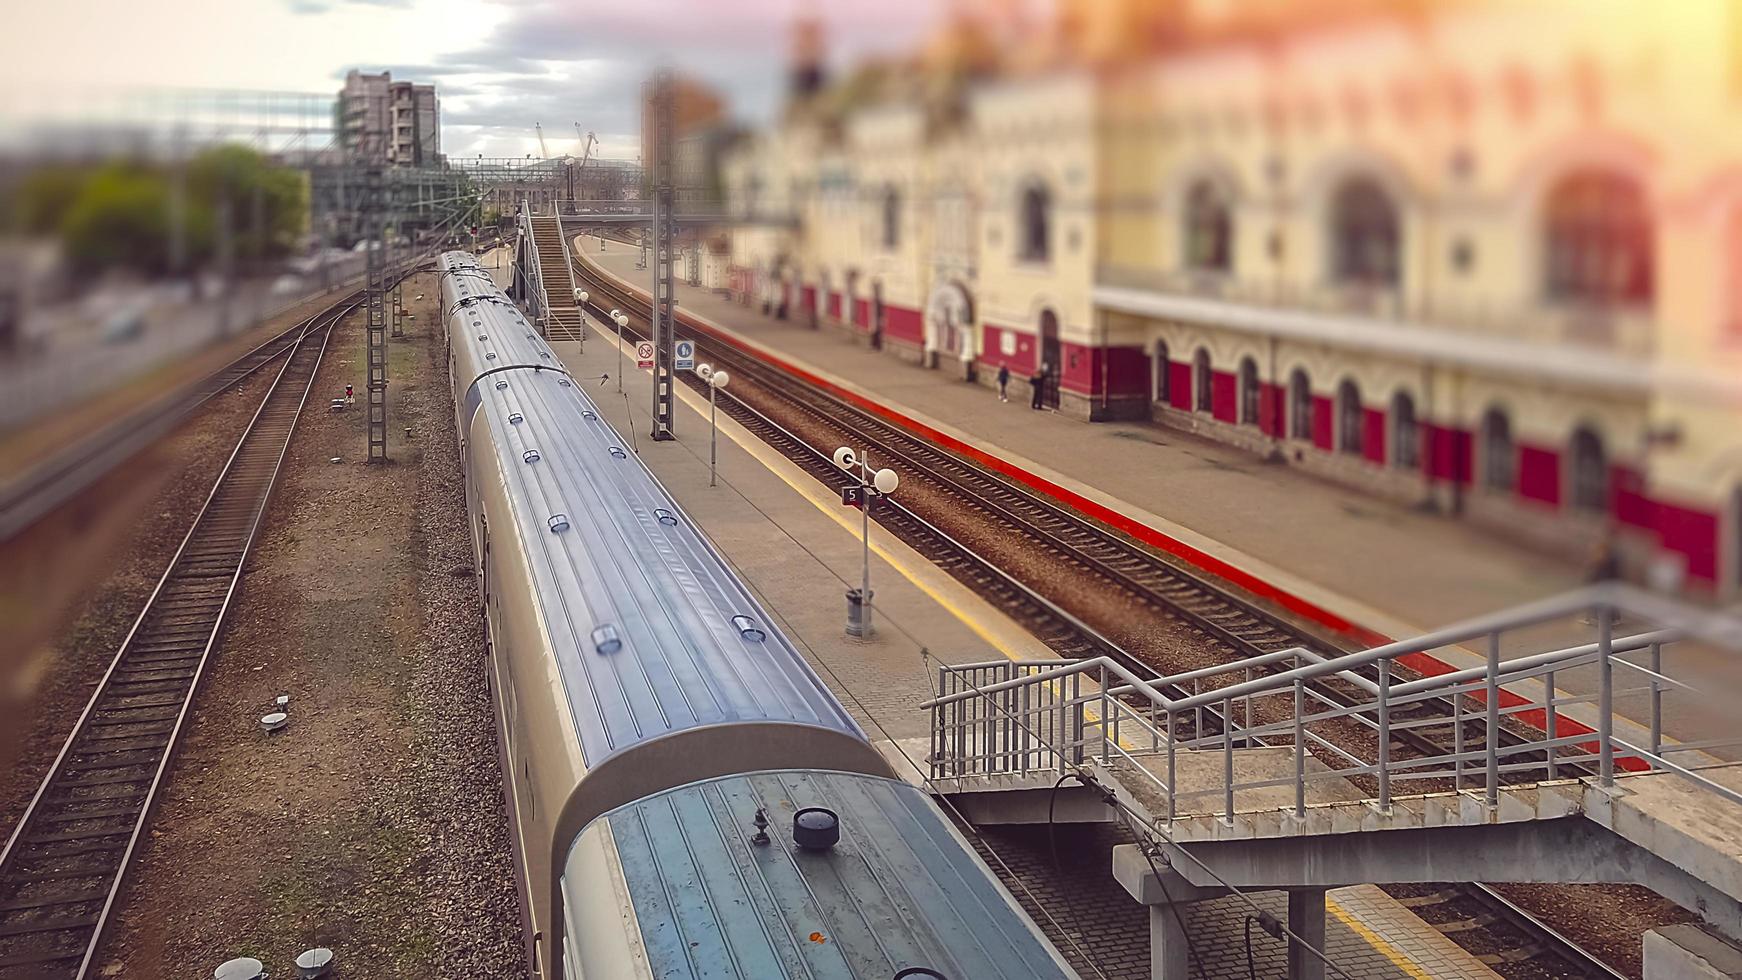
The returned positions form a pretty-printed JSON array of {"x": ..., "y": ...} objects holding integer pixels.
[
  {"x": 542, "y": 151},
  {"x": 587, "y": 143}
]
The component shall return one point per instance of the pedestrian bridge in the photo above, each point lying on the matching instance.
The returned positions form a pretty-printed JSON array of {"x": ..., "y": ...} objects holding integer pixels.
[{"x": 1305, "y": 772}]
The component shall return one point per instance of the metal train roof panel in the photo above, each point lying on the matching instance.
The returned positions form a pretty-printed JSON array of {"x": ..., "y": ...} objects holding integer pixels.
[
  {"x": 652, "y": 632},
  {"x": 900, "y": 889},
  {"x": 488, "y": 332}
]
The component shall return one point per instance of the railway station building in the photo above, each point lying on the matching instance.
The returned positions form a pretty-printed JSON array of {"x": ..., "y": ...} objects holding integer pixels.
[{"x": 1481, "y": 258}]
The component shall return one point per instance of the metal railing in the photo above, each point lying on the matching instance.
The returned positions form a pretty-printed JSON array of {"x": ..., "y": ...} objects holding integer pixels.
[
  {"x": 539, "y": 300},
  {"x": 1503, "y": 723}
]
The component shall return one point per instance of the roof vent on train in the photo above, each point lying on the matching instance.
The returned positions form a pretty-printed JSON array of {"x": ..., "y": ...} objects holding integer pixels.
[
  {"x": 665, "y": 517},
  {"x": 564, "y": 382},
  {"x": 558, "y": 523},
  {"x": 502, "y": 385},
  {"x": 589, "y": 416},
  {"x": 816, "y": 828},
  {"x": 531, "y": 456},
  {"x": 618, "y": 453},
  {"x": 491, "y": 356},
  {"x": 919, "y": 972},
  {"x": 483, "y": 336},
  {"x": 748, "y": 629},
  {"x": 515, "y": 418},
  {"x": 606, "y": 640}
]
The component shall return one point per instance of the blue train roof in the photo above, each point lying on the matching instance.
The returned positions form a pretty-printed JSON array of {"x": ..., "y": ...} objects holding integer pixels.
[
  {"x": 652, "y": 632},
  {"x": 899, "y": 890}
]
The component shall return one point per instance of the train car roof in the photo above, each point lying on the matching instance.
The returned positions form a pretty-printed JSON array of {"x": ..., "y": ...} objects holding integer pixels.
[
  {"x": 488, "y": 329},
  {"x": 652, "y": 632},
  {"x": 900, "y": 889}
]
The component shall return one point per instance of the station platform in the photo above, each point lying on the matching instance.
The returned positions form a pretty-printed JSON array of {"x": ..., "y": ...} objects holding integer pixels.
[
  {"x": 1361, "y": 569},
  {"x": 799, "y": 550}
]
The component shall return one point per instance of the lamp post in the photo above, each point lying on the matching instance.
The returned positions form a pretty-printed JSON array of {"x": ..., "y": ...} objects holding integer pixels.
[
  {"x": 621, "y": 320},
  {"x": 716, "y": 380},
  {"x": 581, "y": 298},
  {"x": 872, "y": 485}
]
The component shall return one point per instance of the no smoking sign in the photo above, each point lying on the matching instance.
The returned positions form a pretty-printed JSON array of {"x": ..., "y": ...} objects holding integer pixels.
[{"x": 644, "y": 354}]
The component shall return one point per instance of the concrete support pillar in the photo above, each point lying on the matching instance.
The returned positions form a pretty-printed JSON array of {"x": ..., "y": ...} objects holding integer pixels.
[
  {"x": 1306, "y": 919},
  {"x": 1169, "y": 956}
]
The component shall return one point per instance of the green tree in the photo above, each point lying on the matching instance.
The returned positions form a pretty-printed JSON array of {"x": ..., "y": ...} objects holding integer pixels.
[
  {"x": 119, "y": 218},
  {"x": 42, "y": 199}
]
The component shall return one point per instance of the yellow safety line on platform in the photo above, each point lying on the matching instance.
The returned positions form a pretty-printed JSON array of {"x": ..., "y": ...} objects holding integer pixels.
[
  {"x": 778, "y": 464},
  {"x": 1397, "y": 957}
]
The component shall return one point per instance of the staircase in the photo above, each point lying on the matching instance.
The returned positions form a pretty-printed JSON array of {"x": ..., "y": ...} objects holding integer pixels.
[{"x": 559, "y": 282}]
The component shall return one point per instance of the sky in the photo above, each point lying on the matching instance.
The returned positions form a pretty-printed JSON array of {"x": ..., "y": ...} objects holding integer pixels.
[{"x": 499, "y": 65}]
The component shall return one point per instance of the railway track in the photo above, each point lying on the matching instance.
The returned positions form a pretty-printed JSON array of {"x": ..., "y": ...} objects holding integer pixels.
[
  {"x": 1242, "y": 626},
  {"x": 64, "y": 863}
]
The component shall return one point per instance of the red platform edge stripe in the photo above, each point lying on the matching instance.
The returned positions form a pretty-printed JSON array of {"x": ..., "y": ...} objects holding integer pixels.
[{"x": 1421, "y": 663}]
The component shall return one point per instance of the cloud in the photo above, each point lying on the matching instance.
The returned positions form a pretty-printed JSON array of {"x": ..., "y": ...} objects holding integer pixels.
[{"x": 323, "y": 6}]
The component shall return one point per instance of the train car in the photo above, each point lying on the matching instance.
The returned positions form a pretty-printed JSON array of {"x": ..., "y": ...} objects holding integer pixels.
[{"x": 687, "y": 797}]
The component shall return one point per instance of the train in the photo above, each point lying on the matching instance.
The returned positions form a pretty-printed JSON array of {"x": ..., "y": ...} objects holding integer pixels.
[{"x": 687, "y": 798}]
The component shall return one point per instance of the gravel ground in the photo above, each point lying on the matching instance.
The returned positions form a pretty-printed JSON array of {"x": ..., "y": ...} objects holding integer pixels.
[{"x": 374, "y": 824}]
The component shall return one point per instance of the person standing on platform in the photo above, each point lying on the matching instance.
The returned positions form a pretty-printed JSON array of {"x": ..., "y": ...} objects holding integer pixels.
[
  {"x": 1035, "y": 383},
  {"x": 1003, "y": 382}
]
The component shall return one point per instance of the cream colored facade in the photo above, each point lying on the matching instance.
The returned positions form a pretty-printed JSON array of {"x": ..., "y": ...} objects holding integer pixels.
[{"x": 1476, "y": 123}]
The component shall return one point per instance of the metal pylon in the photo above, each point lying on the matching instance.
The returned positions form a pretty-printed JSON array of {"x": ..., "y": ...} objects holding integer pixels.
[
  {"x": 375, "y": 302},
  {"x": 664, "y": 249}
]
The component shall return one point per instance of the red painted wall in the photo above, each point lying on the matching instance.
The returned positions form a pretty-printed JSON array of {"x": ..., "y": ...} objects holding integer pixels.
[
  {"x": 992, "y": 354},
  {"x": 862, "y": 313},
  {"x": 1539, "y": 474},
  {"x": 810, "y": 298},
  {"x": 1373, "y": 434},
  {"x": 903, "y": 324},
  {"x": 835, "y": 305},
  {"x": 1694, "y": 535},
  {"x": 1446, "y": 453},
  {"x": 1270, "y": 409},
  {"x": 1628, "y": 500},
  {"x": 1224, "y": 397},
  {"x": 1125, "y": 370},
  {"x": 1323, "y": 427},
  {"x": 1179, "y": 385}
]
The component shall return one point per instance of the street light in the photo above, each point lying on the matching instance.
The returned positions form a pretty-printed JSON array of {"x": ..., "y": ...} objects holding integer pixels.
[
  {"x": 872, "y": 485},
  {"x": 581, "y": 308},
  {"x": 622, "y": 321},
  {"x": 716, "y": 380}
]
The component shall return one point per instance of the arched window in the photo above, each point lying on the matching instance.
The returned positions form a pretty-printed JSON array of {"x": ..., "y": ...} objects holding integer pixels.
[
  {"x": 891, "y": 219},
  {"x": 1349, "y": 417},
  {"x": 1209, "y": 229},
  {"x": 1499, "y": 455},
  {"x": 1300, "y": 405},
  {"x": 1590, "y": 471},
  {"x": 1035, "y": 245},
  {"x": 1202, "y": 398},
  {"x": 1405, "y": 433},
  {"x": 1163, "y": 368},
  {"x": 1249, "y": 390},
  {"x": 1597, "y": 240},
  {"x": 1365, "y": 234}
]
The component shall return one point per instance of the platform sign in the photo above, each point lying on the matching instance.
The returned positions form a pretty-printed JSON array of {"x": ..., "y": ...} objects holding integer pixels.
[
  {"x": 684, "y": 355},
  {"x": 644, "y": 354},
  {"x": 853, "y": 496}
]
